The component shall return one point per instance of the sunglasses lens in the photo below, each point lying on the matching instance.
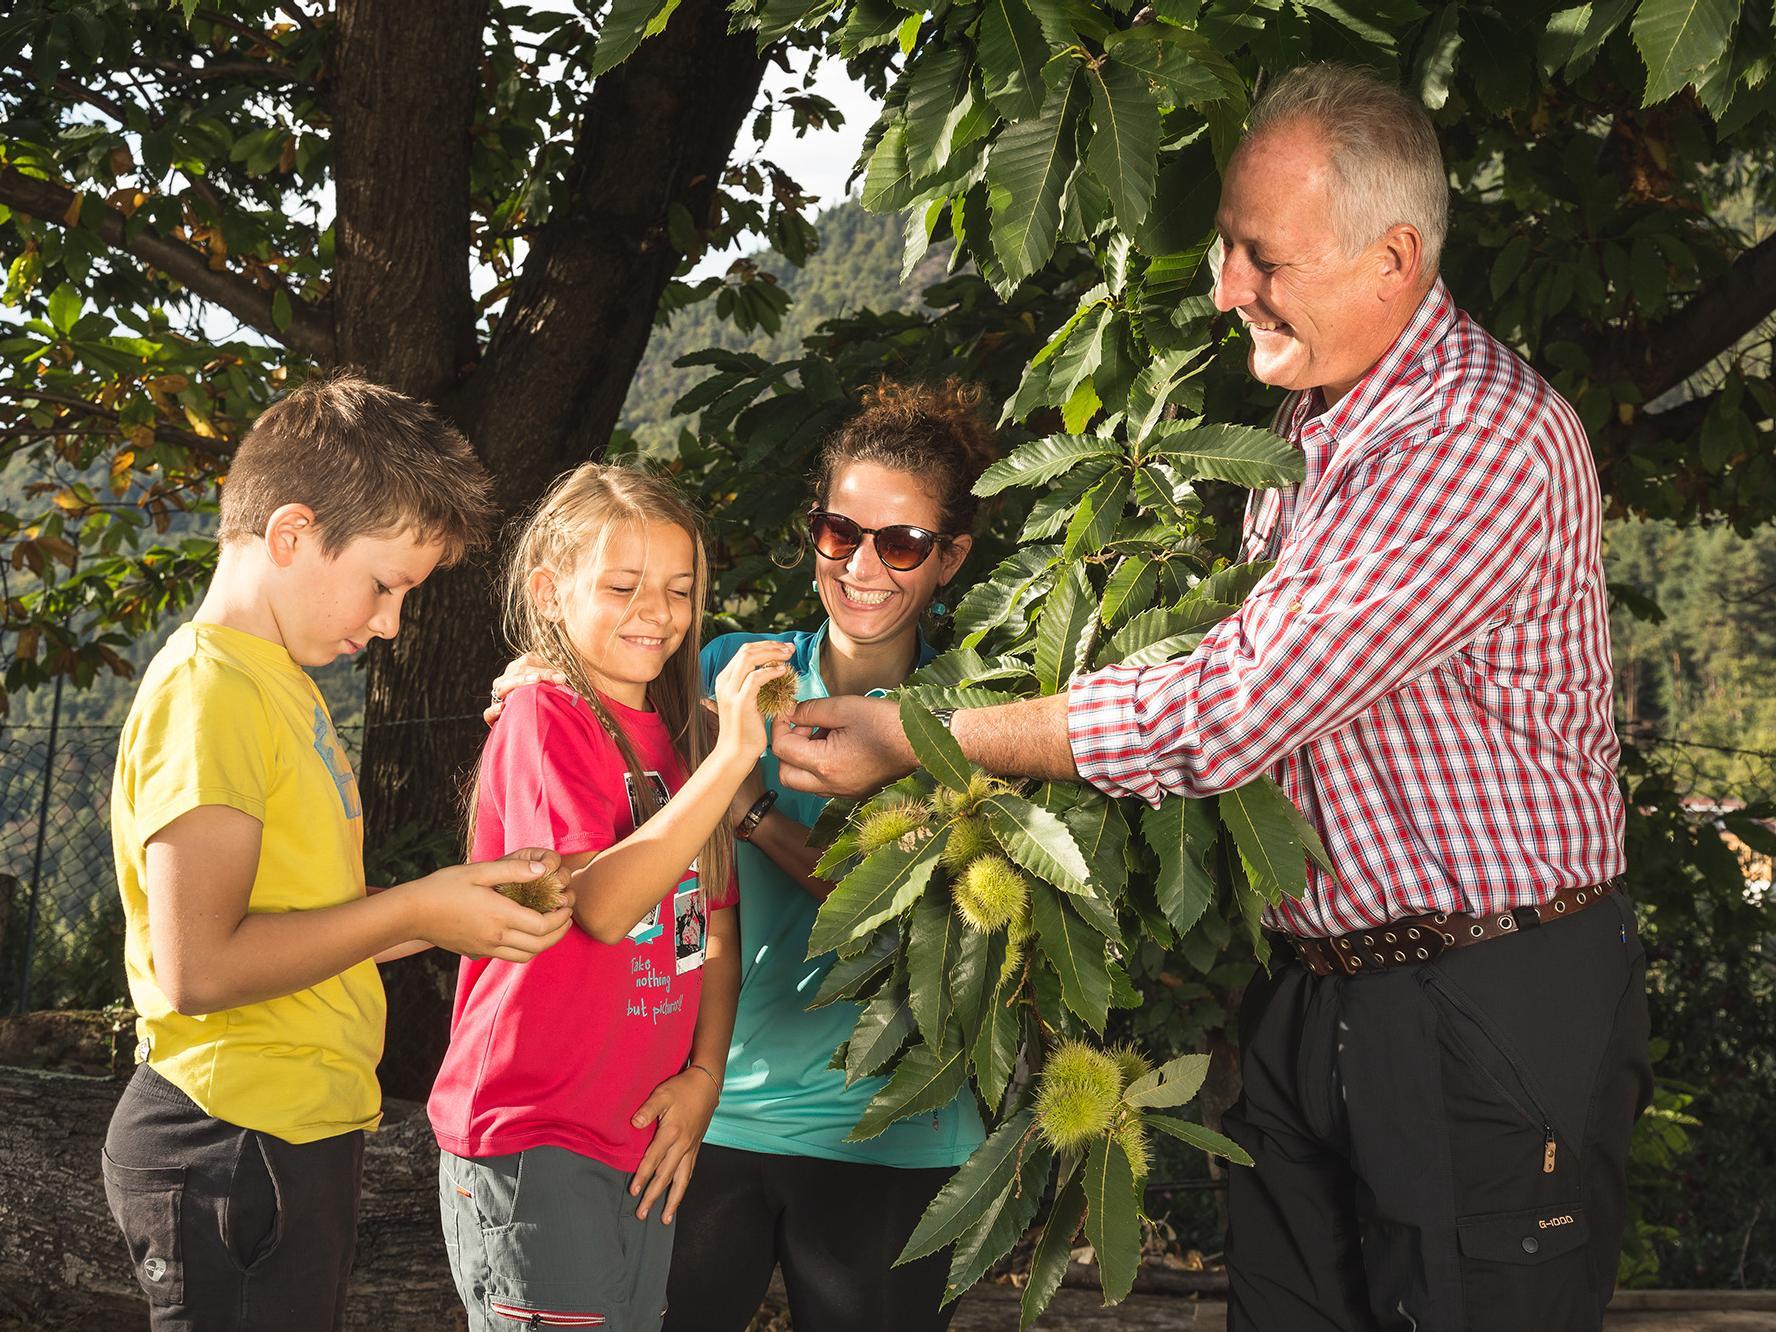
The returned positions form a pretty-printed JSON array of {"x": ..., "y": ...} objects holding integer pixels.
[
  {"x": 835, "y": 537},
  {"x": 899, "y": 547},
  {"x": 903, "y": 548}
]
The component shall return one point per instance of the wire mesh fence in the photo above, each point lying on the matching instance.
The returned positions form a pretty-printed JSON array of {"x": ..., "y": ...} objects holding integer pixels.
[
  {"x": 61, "y": 928},
  {"x": 61, "y": 921}
]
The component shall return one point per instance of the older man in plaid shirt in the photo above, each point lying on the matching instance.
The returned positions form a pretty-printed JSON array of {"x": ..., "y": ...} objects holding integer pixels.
[{"x": 1442, "y": 1070}]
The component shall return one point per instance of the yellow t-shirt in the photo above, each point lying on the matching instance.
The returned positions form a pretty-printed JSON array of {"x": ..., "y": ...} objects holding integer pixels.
[{"x": 226, "y": 718}]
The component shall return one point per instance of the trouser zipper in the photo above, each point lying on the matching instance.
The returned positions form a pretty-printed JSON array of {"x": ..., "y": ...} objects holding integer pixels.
[{"x": 1533, "y": 1112}]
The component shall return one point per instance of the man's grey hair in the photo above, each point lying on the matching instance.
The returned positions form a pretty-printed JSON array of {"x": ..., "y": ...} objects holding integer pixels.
[{"x": 1385, "y": 160}]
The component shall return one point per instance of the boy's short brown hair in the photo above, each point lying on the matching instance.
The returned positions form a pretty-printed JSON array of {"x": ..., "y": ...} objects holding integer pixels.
[{"x": 368, "y": 460}]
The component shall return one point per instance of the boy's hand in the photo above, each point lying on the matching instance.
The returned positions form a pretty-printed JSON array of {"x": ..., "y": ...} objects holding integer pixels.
[
  {"x": 460, "y": 910},
  {"x": 524, "y": 670},
  {"x": 683, "y": 1105}
]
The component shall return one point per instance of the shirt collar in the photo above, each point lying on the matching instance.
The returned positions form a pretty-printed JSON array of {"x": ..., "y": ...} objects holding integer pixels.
[
  {"x": 1429, "y": 324},
  {"x": 815, "y": 687}
]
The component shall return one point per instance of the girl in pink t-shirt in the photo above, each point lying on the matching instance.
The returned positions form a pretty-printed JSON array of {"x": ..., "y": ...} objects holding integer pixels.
[{"x": 584, "y": 1080}]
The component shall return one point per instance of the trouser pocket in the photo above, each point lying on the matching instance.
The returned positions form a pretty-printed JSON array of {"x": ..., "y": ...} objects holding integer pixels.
[
  {"x": 253, "y": 1222},
  {"x": 146, "y": 1203},
  {"x": 1508, "y": 1149},
  {"x": 537, "y": 1240},
  {"x": 1526, "y": 1269},
  {"x": 462, "y": 1228}
]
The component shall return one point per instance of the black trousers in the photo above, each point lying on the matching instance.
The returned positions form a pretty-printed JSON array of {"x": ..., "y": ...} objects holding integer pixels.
[
  {"x": 836, "y": 1227},
  {"x": 1441, "y": 1147},
  {"x": 228, "y": 1228}
]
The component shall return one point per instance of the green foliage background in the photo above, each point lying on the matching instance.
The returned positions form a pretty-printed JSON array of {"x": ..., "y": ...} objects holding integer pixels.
[{"x": 1068, "y": 152}]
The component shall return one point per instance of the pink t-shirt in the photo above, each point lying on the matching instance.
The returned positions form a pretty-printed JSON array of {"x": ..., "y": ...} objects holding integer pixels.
[{"x": 562, "y": 1050}]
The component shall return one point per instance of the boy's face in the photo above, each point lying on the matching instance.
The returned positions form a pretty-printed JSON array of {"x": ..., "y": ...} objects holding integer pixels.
[{"x": 333, "y": 605}]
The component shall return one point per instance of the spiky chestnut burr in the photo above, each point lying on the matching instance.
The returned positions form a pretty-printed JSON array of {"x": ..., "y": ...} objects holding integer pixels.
[
  {"x": 1132, "y": 1138},
  {"x": 969, "y": 839},
  {"x": 778, "y": 695},
  {"x": 890, "y": 824},
  {"x": 541, "y": 894},
  {"x": 1077, "y": 1095},
  {"x": 1132, "y": 1062},
  {"x": 991, "y": 893}
]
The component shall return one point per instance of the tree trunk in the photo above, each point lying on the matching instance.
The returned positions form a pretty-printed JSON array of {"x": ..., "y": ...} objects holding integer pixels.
[
  {"x": 657, "y": 130},
  {"x": 63, "y": 1262},
  {"x": 402, "y": 106}
]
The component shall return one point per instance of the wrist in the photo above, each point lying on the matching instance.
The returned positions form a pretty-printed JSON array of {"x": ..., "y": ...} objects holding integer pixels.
[
  {"x": 402, "y": 902},
  {"x": 732, "y": 758},
  {"x": 755, "y": 814}
]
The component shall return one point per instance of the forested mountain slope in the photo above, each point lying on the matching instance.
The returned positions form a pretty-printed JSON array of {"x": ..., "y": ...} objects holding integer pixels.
[{"x": 856, "y": 265}]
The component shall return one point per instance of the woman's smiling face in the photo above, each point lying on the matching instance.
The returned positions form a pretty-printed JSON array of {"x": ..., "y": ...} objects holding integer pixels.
[{"x": 869, "y": 602}]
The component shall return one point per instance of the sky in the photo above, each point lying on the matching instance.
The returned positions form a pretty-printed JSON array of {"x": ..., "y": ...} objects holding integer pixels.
[{"x": 819, "y": 161}]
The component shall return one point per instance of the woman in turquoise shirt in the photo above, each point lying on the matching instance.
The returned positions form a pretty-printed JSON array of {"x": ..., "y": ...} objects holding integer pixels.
[{"x": 776, "y": 1181}]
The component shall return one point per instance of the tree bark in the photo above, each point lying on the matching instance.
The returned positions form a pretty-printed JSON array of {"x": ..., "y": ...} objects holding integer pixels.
[
  {"x": 62, "y": 1259},
  {"x": 402, "y": 107},
  {"x": 657, "y": 131}
]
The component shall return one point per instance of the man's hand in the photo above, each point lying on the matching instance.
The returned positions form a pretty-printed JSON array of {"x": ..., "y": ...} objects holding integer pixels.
[
  {"x": 683, "y": 1105},
  {"x": 860, "y": 750}
]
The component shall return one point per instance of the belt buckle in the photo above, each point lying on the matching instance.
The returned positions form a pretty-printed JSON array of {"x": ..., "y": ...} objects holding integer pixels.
[{"x": 1438, "y": 940}]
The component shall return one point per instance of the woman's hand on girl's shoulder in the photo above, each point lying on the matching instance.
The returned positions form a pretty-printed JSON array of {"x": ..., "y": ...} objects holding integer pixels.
[
  {"x": 736, "y": 697},
  {"x": 521, "y": 671}
]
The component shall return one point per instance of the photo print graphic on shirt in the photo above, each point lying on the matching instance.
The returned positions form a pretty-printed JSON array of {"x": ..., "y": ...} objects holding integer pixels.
[
  {"x": 649, "y": 927},
  {"x": 690, "y": 925}
]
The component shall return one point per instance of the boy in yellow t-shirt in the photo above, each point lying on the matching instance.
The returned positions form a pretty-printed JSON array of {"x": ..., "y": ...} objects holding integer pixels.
[{"x": 233, "y": 1159}]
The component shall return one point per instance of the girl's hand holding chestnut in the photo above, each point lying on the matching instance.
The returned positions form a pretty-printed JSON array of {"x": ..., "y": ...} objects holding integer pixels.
[{"x": 737, "y": 688}]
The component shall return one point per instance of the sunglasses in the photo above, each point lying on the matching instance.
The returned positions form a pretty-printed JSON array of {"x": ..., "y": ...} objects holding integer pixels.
[{"x": 900, "y": 547}]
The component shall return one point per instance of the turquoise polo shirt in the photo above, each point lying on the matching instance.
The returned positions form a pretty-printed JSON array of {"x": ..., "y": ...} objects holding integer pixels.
[{"x": 780, "y": 1097}]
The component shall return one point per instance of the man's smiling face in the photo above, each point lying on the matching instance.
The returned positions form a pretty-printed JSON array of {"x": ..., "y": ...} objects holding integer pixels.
[{"x": 1317, "y": 317}]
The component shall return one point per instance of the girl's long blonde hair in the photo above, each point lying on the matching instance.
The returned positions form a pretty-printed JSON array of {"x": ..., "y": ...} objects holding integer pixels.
[{"x": 571, "y": 525}]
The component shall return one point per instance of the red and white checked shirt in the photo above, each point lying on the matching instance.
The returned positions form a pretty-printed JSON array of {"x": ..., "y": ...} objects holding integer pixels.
[{"x": 1426, "y": 670}]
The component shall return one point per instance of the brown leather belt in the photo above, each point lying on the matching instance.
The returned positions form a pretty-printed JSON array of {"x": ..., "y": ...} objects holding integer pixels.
[{"x": 1416, "y": 939}]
